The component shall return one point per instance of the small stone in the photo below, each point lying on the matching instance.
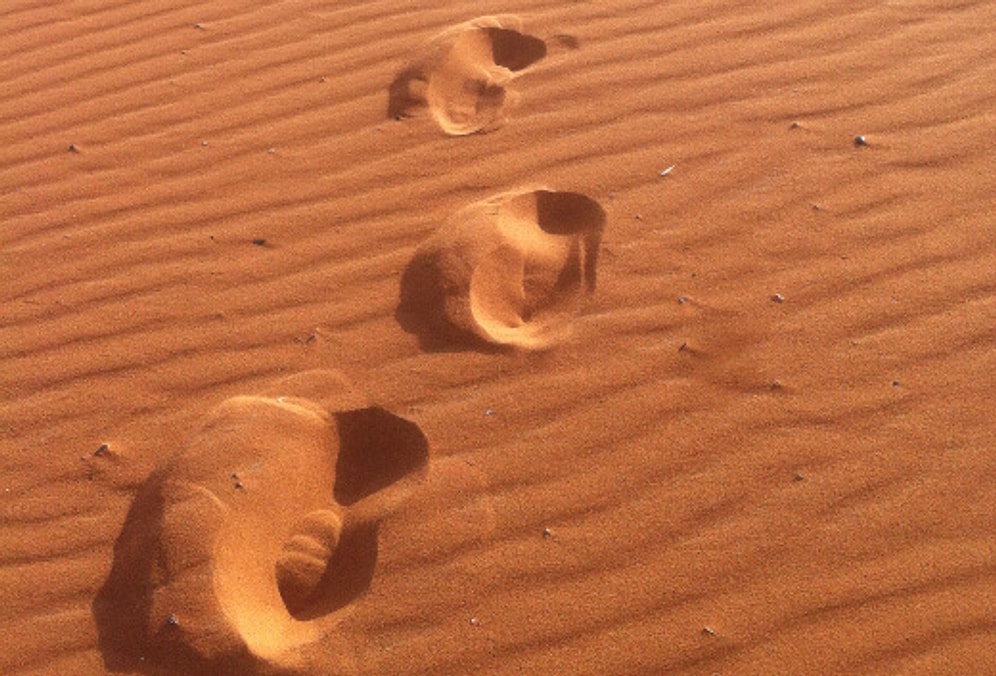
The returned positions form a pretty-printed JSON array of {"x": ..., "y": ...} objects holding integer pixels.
[
  {"x": 776, "y": 384},
  {"x": 547, "y": 533},
  {"x": 682, "y": 347},
  {"x": 682, "y": 300},
  {"x": 489, "y": 412},
  {"x": 895, "y": 383},
  {"x": 323, "y": 79},
  {"x": 708, "y": 631},
  {"x": 238, "y": 485},
  {"x": 778, "y": 298},
  {"x": 173, "y": 621},
  {"x": 101, "y": 451},
  {"x": 667, "y": 171},
  {"x": 795, "y": 125},
  {"x": 638, "y": 217},
  {"x": 73, "y": 148},
  {"x": 798, "y": 477},
  {"x": 474, "y": 622},
  {"x": 860, "y": 141},
  {"x": 204, "y": 144},
  {"x": 259, "y": 242}
]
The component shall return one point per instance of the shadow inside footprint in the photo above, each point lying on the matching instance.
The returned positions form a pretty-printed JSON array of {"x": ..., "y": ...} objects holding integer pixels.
[
  {"x": 508, "y": 271},
  {"x": 461, "y": 77},
  {"x": 247, "y": 544}
]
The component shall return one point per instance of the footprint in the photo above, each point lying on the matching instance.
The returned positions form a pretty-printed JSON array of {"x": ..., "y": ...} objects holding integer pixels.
[
  {"x": 509, "y": 270},
  {"x": 462, "y": 75},
  {"x": 252, "y": 542}
]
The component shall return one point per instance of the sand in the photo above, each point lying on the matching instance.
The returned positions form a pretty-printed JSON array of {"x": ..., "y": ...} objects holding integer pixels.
[{"x": 574, "y": 337}]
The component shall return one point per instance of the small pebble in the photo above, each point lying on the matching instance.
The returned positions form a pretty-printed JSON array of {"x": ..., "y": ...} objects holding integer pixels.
[
  {"x": 489, "y": 412},
  {"x": 198, "y": 26},
  {"x": 860, "y": 141},
  {"x": 895, "y": 383},
  {"x": 102, "y": 450},
  {"x": 259, "y": 242},
  {"x": 474, "y": 622},
  {"x": 668, "y": 170},
  {"x": 172, "y": 621},
  {"x": 682, "y": 347},
  {"x": 547, "y": 533},
  {"x": 778, "y": 298},
  {"x": 238, "y": 485},
  {"x": 73, "y": 148},
  {"x": 795, "y": 125},
  {"x": 682, "y": 300},
  {"x": 204, "y": 144},
  {"x": 708, "y": 631},
  {"x": 798, "y": 477}
]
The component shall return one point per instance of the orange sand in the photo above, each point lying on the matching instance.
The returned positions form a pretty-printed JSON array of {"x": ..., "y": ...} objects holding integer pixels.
[{"x": 762, "y": 443}]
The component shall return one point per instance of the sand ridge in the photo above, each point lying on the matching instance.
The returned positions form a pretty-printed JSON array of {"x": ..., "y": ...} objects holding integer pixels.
[{"x": 763, "y": 447}]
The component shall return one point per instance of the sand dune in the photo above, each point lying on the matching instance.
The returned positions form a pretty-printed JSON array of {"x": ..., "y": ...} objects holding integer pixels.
[{"x": 761, "y": 443}]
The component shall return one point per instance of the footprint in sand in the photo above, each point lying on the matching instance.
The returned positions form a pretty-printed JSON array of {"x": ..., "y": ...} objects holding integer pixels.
[
  {"x": 509, "y": 270},
  {"x": 249, "y": 546},
  {"x": 462, "y": 75}
]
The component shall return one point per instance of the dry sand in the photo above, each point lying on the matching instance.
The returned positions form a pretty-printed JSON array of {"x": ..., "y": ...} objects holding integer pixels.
[{"x": 762, "y": 441}]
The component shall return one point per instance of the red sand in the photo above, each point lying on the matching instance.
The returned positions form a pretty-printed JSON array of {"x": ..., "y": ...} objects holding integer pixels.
[{"x": 762, "y": 443}]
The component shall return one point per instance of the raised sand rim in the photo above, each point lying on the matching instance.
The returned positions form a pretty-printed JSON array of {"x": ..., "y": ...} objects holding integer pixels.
[
  {"x": 510, "y": 270},
  {"x": 462, "y": 75},
  {"x": 250, "y": 544}
]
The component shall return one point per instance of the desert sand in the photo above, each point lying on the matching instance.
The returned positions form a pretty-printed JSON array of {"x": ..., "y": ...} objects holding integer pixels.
[{"x": 557, "y": 337}]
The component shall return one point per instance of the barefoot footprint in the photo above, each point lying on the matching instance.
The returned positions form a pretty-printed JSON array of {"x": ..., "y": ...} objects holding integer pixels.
[
  {"x": 463, "y": 74},
  {"x": 509, "y": 270},
  {"x": 253, "y": 541}
]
